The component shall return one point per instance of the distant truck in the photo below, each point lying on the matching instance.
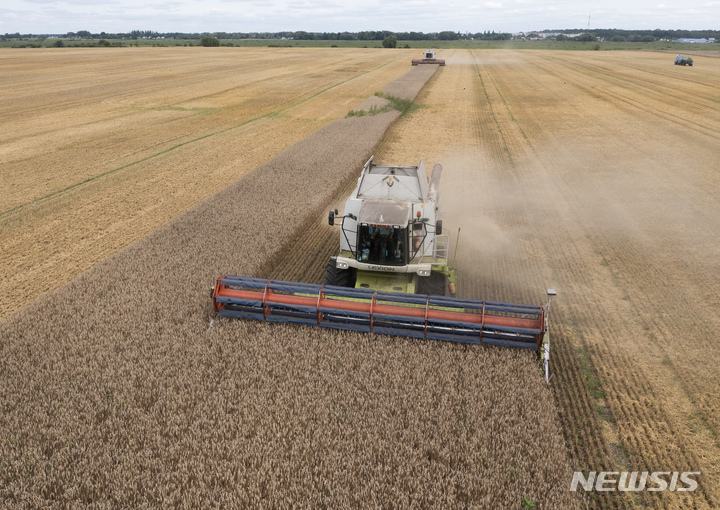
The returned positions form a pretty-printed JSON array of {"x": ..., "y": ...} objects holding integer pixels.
[{"x": 683, "y": 61}]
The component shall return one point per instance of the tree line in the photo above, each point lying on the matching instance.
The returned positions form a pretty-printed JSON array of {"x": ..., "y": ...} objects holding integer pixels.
[
  {"x": 378, "y": 35},
  {"x": 381, "y": 35},
  {"x": 619, "y": 35}
]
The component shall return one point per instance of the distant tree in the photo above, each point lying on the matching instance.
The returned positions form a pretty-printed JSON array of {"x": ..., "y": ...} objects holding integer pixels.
[
  {"x": 586, "y": 37},
  {"x": 448, "y": 36},
  {"x": 414, "y": 36},
  {"x": 209, "y": 40},
  {"x": 618, "y": 38},
  {"x": 83, "y": 33},
  {"x": 104, "y": 42},
  {"x": 641, "y": 38},
  {"x": 59, "y": 43},
  {"x": 561, "y": 37},
  {"x": 390, "y": 42},
  {"x": 304, "y": 36}
]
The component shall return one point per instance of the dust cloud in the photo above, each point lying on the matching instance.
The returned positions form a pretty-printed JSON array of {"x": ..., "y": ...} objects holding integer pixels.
[
  {"x": 522, "y": 219},
  {"x": 498, "y": 218}
]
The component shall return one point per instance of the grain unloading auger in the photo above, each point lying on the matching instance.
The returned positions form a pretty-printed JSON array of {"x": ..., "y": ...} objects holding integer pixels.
[{"x": 390, "y": 276}]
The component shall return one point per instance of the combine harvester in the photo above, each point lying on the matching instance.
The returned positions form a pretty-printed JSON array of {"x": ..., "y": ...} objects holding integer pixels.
[
  {"x": 429, "y": 58},
  {"x": 392, "y": 275}
]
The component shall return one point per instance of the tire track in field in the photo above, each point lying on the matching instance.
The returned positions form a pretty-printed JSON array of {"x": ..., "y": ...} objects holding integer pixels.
[
  {"x": 635, "y": 266},
  {"x": 508, "y": 199},
  {"x": 597, "y": 318}
]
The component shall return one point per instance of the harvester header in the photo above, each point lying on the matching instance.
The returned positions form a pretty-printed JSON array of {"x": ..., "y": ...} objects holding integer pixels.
[{"x": 429, "y": 58}]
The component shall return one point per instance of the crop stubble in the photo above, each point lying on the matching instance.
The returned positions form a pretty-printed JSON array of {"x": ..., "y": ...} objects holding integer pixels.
[
  {"x": 101, "y": 147},
  {"x": 595, "y": 174}
]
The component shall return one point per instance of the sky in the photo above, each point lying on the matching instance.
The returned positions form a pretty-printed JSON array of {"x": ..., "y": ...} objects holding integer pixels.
[{"x": 113, "y": 16}]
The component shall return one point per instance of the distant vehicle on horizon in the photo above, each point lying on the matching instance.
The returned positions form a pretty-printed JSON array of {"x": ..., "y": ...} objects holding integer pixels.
[{"x": 683, "y": 61}]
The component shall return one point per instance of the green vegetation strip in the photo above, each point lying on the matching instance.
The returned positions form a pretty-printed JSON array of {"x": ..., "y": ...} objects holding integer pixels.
[{"x": 397, "y": 103}]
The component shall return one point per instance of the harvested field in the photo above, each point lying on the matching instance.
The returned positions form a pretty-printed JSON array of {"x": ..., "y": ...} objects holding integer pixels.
[{"x": 99, "y": 148}]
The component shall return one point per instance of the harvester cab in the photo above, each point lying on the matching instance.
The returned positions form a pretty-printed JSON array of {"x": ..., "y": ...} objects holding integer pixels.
[{"x": 391, "y": 233}]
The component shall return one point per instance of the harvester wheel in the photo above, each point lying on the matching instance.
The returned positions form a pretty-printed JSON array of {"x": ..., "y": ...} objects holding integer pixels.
[{"x": 339, "y": 277}]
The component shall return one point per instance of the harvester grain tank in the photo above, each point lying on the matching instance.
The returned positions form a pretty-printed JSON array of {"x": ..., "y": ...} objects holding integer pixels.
[
  {"x": 428, "y": 58},
  {"x": 391, "y": 276}
]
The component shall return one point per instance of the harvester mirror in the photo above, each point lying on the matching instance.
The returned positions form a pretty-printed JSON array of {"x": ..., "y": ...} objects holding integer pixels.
[
  {"x": 331, "y": 218},
  {"x": 438, "y": 227}
]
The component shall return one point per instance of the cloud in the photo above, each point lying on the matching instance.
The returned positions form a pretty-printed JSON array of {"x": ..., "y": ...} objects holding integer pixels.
[{"x": 60, "y": 16}]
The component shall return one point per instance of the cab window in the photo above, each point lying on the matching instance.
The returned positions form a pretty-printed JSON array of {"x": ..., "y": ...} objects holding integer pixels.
[{"x": 382, "y": 245}]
